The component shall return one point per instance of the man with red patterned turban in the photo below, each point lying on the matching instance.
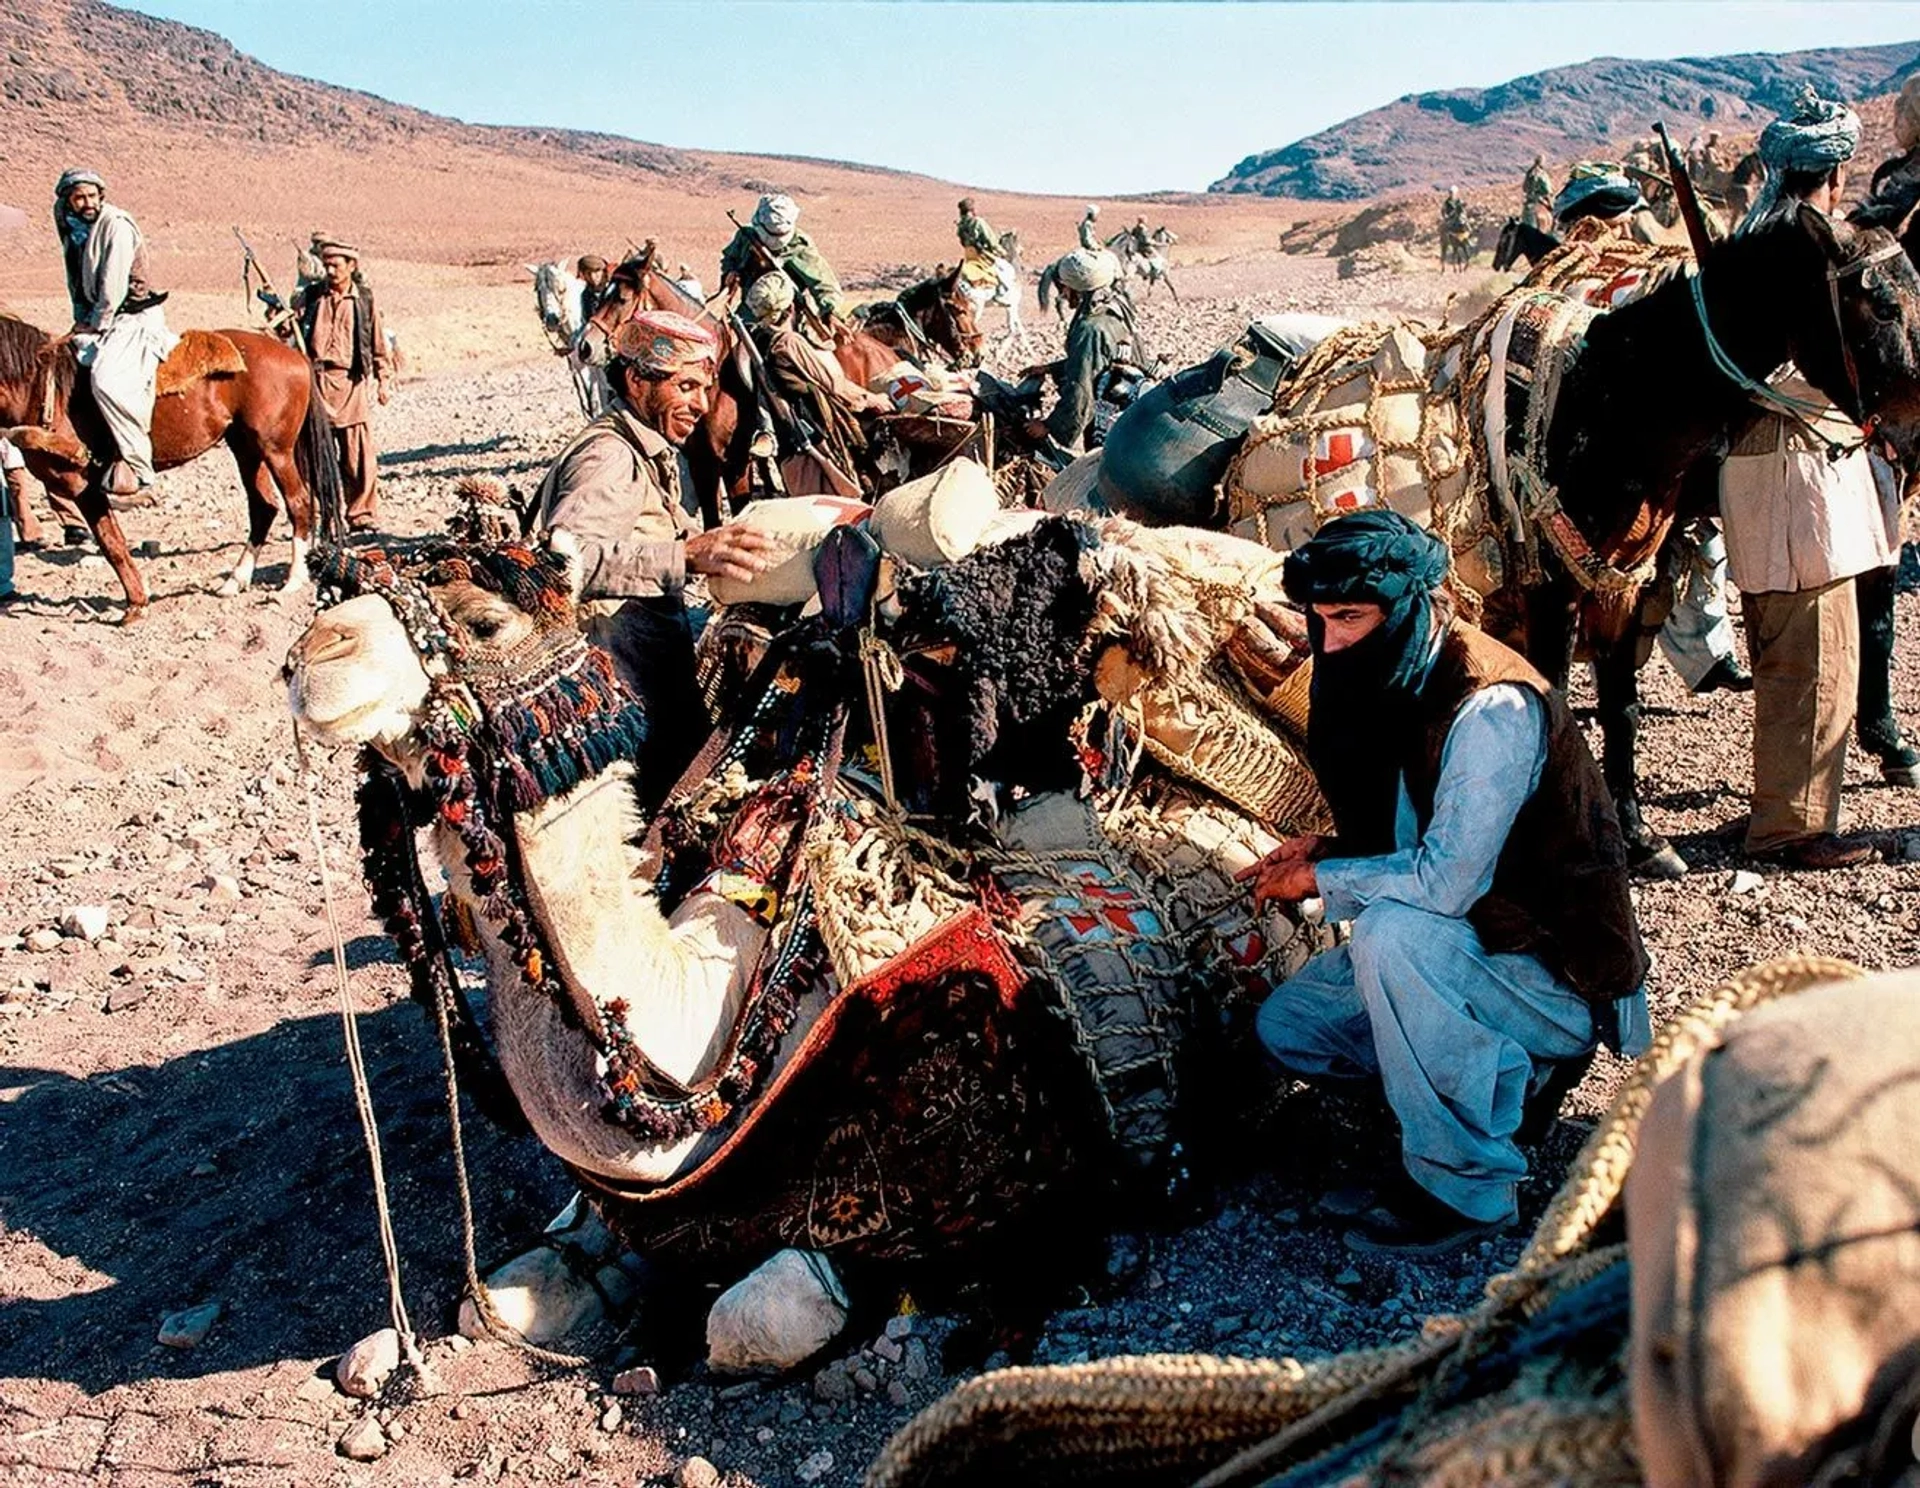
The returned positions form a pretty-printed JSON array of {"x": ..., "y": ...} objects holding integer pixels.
[{"x": 615, "y": 504}]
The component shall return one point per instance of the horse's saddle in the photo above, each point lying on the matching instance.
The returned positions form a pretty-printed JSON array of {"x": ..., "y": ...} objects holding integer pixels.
[{"x": 200, "y": 355}]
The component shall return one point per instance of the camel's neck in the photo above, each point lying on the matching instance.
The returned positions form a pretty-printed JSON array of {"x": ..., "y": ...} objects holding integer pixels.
[{"x": 1644, "y": 399}]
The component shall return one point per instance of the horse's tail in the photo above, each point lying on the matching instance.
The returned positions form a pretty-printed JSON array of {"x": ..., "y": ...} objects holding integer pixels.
[
  {"x": 1045, "y": 291},
  {"x": 318, "y": 461}
]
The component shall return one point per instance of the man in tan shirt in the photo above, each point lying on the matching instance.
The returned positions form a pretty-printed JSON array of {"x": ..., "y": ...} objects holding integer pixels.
[
  {"x": 613, "y": 501},
  {"x": 1800, "y": 525},
  {"x": 348, "y": 345}
]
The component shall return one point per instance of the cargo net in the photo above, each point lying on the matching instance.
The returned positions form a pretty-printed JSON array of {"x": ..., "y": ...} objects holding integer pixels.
[{"x": 1400, "y": 415}]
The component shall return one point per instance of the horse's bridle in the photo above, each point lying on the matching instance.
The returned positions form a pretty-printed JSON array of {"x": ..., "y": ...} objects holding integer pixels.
[{"x": 1799, "y": 409}]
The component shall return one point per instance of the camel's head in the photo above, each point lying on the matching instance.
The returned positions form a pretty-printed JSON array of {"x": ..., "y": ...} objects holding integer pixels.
[{"x": 461, "y": 646}]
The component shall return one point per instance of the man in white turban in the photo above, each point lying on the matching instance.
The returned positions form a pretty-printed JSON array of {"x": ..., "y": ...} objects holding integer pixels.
[
  {"x": 1800, "y": 527},
  {"x": 773, "y": 240},
  {"x": 119, "y": 327},
  {"x": 1100, "y": 333}
]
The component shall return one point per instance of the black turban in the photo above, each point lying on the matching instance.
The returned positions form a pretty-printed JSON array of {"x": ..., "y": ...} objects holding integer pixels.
[{"x": 1364, "y": 696}]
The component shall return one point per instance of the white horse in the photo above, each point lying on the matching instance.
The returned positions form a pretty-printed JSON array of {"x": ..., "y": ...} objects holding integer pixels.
[
  {"x": 1005, "y": 289},
  {"x": 1150, "y": 265},
  {"x": 557, "y": 297}
]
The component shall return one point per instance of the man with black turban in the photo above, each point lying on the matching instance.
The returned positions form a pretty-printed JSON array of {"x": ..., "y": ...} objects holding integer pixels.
[{"x": 1479, "y": 861}]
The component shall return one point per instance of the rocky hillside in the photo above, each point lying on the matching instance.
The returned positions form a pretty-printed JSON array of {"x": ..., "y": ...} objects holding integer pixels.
[{"x": 1489, "y": 134}]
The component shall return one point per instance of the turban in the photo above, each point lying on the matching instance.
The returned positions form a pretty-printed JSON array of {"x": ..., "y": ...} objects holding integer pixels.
[
  {"x": 590, "y": 263},
  {"x": 1369, "y": 557},
  {"x": 73, "y": 178},
  {"x": 1818, "y": 136},
  {"x": 1364, "y": 698},
  {"x": 324, "y": 246},
  {"x": 1596, "y": 188},
  {"x": 1093, "y": 209},
  {"x": 770, "y": 297},
  {"x": 1087, "y": 269},
  {"x": 776, "y": 216},
  {"x": 659, "y": 342}
]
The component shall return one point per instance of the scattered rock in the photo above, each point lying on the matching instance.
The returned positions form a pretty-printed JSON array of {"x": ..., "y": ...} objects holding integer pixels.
[
  {"x": 1745, "y": 881},
  {"x": 787, "y": 1310},
  {"x": 697, "y": 1472},
  {"x": 610, "y": 1417},
  {"x": 364, "y": 1368},
  {"x": 832, "y": 1384},
  {"x": 814, "y": 1466},
  {"x": 1347, "y": 1278},
  {"x": 183, "y": 1330},
  {"x": 222, "y": 888},
  {"x": 866, "y": 1379},
  {"x": 900, "y": 1328},
  {"x": 363, "y": 1441},
  {"x": 315, "y": 1387},
  {"x": 886, "y": 1348},
  {"x": 43, "y": 940},
  {"x": 897, "y": 1392},
  {"x": 640, "y": 1380},
  {"x": 87, "y": 921},
  {"x": 915, "y": 1365}
]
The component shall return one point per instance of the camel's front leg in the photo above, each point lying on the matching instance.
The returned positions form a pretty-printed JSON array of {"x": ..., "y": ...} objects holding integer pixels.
[{"x": 562, "y": 1285}]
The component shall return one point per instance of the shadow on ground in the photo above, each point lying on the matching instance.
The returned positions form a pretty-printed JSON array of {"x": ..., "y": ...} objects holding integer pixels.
[{"x": 282, "y": 1231}]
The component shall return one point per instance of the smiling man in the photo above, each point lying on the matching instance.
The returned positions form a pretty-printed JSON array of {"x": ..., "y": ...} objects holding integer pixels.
[
  {"x": 614, "y": 501},
  {"x": 1480, "y": 864}
]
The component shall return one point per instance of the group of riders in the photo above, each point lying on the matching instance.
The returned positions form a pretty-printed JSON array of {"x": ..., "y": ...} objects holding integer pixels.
[{"x": 1475, "y": 854}]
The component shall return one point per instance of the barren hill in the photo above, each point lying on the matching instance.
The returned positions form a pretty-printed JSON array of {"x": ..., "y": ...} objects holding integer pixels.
[
  {"x": 196, "y": 137},
  {"x": 1489, "y": 134}
]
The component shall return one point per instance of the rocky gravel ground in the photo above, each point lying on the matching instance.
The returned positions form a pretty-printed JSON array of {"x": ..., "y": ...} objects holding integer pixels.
[{"x": 178, "y": 1149}]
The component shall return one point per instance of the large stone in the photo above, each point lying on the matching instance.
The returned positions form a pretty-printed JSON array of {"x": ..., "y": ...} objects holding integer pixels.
[
  {"x": 43, "y": 940},
  {"x": 539, "y": 1295},
  {"x": 88, "y": 921},
  {"x": 184, "y": 1329},
  {"x": 364, "y": 1368},
  {"x": 786, "y": 1311},
  {"x": 697, "y": 1472},
  {"x": 642, "y": 1379},
  {"x": 363, "y": 1441},
  {"x": 814, "y": 1466}
]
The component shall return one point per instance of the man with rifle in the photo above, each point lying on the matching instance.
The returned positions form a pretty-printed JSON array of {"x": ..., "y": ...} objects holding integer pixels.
[
  {"x": 613, "y": 501},
  {"x": 807, "y": 381},
  {"x": 773, "y": 241}
]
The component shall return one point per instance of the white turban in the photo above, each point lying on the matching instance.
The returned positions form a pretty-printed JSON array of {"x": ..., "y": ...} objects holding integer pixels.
[
  {"x": 776, "y": 217},
  {"x": 1087, "y": 269},
  {"x": 770, "y": 297},
  {"x": 1820, "y": 135}
]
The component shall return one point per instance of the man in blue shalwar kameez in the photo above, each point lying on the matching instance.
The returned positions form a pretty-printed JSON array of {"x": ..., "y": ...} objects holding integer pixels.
[{"x": 1479, "y": 860}]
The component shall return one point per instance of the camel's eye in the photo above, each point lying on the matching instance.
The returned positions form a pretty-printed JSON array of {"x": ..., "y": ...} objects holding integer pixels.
[{"x": 484, "y": 627}]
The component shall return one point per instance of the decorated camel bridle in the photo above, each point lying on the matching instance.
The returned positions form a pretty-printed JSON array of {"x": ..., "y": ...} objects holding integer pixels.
[{"x": 500, "y": 734}]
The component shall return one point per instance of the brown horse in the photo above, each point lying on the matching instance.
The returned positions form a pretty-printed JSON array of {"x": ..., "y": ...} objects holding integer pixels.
[
  {"x": 935, "y": 314},
  {"x": 721, "y": 449},
  {"x": 267, "y": 412}
]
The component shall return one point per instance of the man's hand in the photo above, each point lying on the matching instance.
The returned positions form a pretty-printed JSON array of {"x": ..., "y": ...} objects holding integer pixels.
[
  {"x": 1287, "y": 873},
  {"x": 382, "y": 392},
  {"x": 732, "y": 552}
]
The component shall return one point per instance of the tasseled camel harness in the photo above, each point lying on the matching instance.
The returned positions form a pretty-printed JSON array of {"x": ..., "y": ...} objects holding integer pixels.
[{"x": 501, "y": 734}]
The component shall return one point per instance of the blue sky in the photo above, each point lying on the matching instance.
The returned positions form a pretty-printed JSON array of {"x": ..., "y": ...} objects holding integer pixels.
[{"x": 1066, "y": 97}]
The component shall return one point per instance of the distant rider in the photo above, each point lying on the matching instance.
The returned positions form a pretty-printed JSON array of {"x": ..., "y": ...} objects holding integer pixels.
[{"x": 773, "y": 240}]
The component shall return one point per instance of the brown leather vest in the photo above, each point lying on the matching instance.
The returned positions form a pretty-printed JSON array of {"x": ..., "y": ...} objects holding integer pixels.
[{"x": 1560, "y": 887}]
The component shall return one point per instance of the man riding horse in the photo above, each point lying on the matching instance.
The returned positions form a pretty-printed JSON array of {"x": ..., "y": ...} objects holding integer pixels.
[
  {"x": 119, "y": 328},
  {"x": 773, "y": 240},
  {"x": 811, "y": 383}
]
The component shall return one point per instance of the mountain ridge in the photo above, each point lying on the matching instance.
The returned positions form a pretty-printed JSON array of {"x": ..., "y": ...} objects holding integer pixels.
[{"x": 1482, "y": 135}]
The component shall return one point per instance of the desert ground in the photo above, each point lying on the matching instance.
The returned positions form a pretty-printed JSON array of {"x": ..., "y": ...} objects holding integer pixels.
[{"x": 176, "y": 1124}]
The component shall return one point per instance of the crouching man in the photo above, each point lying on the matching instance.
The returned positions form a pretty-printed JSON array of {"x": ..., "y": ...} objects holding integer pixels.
[{"x": 1480, "y": 863}]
